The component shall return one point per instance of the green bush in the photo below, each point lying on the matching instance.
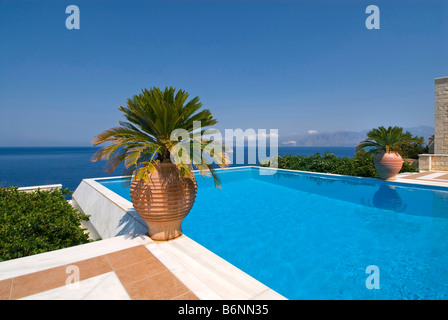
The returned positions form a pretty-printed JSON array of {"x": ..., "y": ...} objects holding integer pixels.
[
  {"x": 37, "y": 222},
  {"x": 412, "y": 150},
  {"x": 360, "y": 165}
]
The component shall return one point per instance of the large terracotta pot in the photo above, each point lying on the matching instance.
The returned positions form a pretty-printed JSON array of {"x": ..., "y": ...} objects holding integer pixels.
[
  {"x": 165, "y": 201},
  {"x": 388, "y": 164}
]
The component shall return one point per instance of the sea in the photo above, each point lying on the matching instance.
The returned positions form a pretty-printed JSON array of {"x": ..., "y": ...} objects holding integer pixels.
[{"x": 33, "y": 166}]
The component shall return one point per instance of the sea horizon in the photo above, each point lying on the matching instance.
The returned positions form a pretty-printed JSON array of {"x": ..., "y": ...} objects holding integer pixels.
[
  {"x": 30, "y": 147},
  {"x": 33, "y": 166}
]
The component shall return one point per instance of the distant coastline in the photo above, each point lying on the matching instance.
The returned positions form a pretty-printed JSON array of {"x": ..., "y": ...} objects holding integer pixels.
[{"x": 342, "y": 138}]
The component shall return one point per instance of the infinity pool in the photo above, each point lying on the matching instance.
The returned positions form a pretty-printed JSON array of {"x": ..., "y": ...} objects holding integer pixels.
[{"x": 312, "y": 236}]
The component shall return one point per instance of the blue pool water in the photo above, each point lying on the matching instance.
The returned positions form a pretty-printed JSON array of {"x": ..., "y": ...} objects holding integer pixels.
[{"x": 311, "y": 236}]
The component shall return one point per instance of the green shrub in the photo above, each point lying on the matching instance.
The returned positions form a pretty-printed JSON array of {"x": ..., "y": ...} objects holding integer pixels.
[
  {"x": 412, "y": 150},
  {"x": 360, "y": 165},
  {"x": 37, "y": 222},
  {"x": 407, "y": 167}
]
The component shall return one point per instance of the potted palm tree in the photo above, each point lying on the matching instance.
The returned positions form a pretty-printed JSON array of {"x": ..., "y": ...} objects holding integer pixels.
[
  {"x": 163, "y": 188},
  {"x": 387, "y": 144}
]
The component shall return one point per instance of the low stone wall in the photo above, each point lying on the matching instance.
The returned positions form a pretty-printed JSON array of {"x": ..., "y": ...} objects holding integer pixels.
[
  {"x": 438, "y": 162},
  {"x": 47, "y": 187}
]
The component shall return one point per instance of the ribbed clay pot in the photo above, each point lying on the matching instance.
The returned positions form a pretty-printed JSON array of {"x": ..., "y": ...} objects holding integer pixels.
[
  {"x": 388, "y": 164},
  {"x": 165, "y": 201}
]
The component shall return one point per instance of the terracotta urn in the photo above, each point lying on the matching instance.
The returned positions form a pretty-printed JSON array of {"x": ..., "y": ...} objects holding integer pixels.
[
  {"x": 388, "y": 164},
  {"x": 165, "y": 201}
]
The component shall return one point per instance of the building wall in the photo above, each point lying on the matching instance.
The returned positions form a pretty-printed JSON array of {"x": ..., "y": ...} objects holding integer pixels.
[
  {"x": 438, "y": 160},
  {"x": 441, "y": 116}
]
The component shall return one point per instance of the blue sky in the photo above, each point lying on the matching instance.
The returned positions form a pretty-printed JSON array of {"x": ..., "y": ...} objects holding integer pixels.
[{"x": 294, "y": 66}]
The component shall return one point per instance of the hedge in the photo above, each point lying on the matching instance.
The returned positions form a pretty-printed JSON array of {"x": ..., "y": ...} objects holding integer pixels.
[
  {"x": 37, "y": 222},
  {"x": 360, "y": 165}
]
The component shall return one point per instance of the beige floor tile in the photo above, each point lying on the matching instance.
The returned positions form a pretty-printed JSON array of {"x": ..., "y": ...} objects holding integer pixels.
[
  {"x": 140, "y": 270},
  {"x": 102, "y": 287},
  {"x": 5, "y": 289},
  {"x": 162, "y": 286},
  {"x": 126, "y": 257},
  {"x": 92, "y": 267},
  {"x": 37, "y": 282}
]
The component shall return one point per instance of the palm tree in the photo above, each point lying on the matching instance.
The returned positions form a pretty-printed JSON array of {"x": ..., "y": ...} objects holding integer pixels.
[
  {"x": 162, "y": 184},
  {"x": 388, "y": 140},
  {"x": 387, "y": 144}
]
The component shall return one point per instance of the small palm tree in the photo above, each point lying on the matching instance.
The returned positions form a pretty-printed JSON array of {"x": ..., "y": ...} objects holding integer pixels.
[
  {"x": 144, "y": 141},
  {"x": 160, "y": 164},
  {"x": 387, "y": 145},
  {"x": 388, "y": 140}
]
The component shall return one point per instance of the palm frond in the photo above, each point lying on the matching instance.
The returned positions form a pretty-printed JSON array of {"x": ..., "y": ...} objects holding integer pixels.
[
  {"x": 390, "y": 139},
  {"x": 145, "y": 138}
]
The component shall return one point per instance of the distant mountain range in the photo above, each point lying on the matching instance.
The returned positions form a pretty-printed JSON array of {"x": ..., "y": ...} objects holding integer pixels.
[{"x": 342, "y": 138}]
